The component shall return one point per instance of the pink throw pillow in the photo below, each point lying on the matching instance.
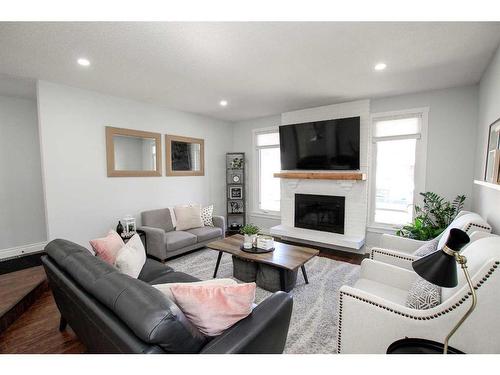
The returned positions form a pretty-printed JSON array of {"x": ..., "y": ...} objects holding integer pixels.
[
  {"x": 214, "y": 308},
  {"x": 107, "y": 247}
]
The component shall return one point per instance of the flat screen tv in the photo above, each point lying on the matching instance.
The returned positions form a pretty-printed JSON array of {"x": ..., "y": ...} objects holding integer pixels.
[{"x": 320, "y": 145}]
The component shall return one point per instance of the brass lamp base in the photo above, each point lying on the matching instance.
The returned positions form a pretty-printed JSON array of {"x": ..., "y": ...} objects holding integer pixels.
[{"x": 463, "y": 263}]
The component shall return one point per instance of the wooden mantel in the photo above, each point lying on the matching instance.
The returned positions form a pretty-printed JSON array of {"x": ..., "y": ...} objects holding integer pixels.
[{"x": 357, "y": 176}]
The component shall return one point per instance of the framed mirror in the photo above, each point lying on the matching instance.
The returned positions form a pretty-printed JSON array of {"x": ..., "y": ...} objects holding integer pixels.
[
  {"x": 133, "y": 153},
  {"x": 492, "y": 170},
  {"x": 185, "y": 156}
]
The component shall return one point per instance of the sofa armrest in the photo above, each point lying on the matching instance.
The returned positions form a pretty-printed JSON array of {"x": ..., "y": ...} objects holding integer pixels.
[
  {"x": 403, "y": 244},
  {"x": 394, "y": 257},
  {"x": 155, "y": 241},
  {"x": 220, "y": 222},
  {"x": 387, "y": 274},
  {"x": 264, "y": 331}
]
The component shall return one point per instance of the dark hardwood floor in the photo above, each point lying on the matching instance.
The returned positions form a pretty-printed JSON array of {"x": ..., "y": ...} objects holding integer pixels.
[{"x": 36, "y": 332}]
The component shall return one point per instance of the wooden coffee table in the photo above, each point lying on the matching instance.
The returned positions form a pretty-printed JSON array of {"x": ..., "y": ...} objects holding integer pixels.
[{"x": 285, "y": 257}]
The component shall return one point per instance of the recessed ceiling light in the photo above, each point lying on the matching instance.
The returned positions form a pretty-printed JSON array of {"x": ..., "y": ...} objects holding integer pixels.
[
  {"x": 223, "y": 103},
  {"x": 380, "y": 66},
  {"x": 83, "y": 62}
]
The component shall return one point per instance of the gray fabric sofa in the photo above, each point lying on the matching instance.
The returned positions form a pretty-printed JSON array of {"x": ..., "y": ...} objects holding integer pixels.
[
  {"x": 164, "y": 242},
  {"x": 111, "y": 312}
]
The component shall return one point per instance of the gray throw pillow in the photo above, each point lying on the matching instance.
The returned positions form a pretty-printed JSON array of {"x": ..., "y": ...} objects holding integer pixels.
[
  {"x": 423, "y": 295},
  {"x": 427, "y": 248}
]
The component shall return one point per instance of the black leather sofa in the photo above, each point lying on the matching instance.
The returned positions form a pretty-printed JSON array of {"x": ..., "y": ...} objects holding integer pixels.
[{"x": 113, "y": 313}]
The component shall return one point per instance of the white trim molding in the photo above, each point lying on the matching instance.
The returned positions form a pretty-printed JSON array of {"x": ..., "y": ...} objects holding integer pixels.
[{"x": 22, "y": 250}]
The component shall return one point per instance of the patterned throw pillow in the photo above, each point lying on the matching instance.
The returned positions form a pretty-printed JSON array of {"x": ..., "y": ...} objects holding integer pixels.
[
  {"x": 427, "y": 248},
  {"x": 206, "y": 215},
  {"x": 423, "y": 295}
]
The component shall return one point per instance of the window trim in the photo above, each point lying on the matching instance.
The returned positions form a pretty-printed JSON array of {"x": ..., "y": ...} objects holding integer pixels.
[
  {"x": 420, "y": 160},
  {"x": 256, "y": 211}
]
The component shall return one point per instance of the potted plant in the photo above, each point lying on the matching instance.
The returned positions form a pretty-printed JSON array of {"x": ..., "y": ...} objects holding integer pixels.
[
  {"x": 433, "y": 217},
  {"x": 250, "y": 232}
]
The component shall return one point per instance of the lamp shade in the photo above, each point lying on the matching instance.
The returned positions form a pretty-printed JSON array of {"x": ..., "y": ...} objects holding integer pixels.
[{"x": 439, "y": 267}]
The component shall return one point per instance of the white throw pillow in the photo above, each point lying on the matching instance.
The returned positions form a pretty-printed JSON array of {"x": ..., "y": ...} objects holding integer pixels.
[
  {"x": 423, "y": 295},
  {"x": 131, "y": 257},
  {"x": 188, "y": 217},
  {"x": 206, "y": 215},
  {"x": 165, "y": 288}
]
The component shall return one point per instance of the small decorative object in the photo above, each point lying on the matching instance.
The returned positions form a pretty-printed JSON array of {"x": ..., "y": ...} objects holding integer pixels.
[
  {"x": 129, "y": 226},
  {"x": 119, "y": 228},
  {"x": 433, "y": 217},
  {"x": 249, "y": 232},
  {"x": 440, "y": 268},
  {"x": 265, "y": 242},
  {"x": 235, "y": 207},
  {"x": 235, "y": 176},
  {"x": 235, "y": 226},
  {"x": 235, "y": 192},
  {"x": 492, "y": 173},
  {"x": 493, "y": 154},
  {"x": 237, "y": 163}
]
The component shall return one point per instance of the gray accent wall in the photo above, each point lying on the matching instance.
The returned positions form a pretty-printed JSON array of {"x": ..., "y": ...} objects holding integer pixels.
[
  {"x": 22, "y": 215},
  {"x": 487, "y": 200}
]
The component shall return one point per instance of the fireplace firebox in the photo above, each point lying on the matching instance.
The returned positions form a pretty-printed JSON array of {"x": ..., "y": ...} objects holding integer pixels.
[{"x": 320, "y": 212}]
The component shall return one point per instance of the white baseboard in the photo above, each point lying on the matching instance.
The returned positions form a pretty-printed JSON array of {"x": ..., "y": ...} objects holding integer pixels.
[{"x": 21, "y": 250}]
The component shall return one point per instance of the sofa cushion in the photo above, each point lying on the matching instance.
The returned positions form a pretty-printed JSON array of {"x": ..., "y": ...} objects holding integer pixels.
[
  {"x": 206, "y": 233},
  {"x": 158, "y": 219},
  {"x": 178, "y": 239},
  {"x": 153, "y": 269},
  {"x": 214, "y": 308},
  {"x": 427, "y": 248},
  {"x": 165, "y": 287},
  {"x": 174, "y": 277},
  {"x": 423, "y": 295},
  {"x": 131, "y": 257},
  {"x": 107, "y": 248},
  {"x": 146, "y": 311},
  {"x": 387, "y": 292},
  {"x": 188, "y": 216}
]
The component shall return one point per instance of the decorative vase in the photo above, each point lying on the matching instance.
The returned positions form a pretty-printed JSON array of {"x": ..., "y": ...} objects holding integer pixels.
[
  {"x": 248, "y": 241},
  {"x": 119, "y": 228}
]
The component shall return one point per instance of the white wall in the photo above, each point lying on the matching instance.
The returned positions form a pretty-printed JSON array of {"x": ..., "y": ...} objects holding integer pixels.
[
  {"x": 82, "y": 202},
  {"x": 486, "y": 200},
  {"x": 22, "y": 217}
]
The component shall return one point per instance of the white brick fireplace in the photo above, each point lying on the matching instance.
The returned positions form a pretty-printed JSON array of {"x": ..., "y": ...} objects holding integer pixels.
[{"x": 354, "y": 191}]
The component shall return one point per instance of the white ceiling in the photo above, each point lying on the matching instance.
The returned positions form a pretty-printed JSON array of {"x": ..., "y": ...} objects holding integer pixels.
[{"x": 260, "y": 68}]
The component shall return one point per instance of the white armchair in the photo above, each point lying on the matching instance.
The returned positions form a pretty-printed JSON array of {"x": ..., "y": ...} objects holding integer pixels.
[
  {"x": 372, "y": 313},
  {"x": 398, "y": 251}
]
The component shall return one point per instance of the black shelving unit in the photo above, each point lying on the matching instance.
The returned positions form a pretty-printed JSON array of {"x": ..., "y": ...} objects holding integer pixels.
[{"x": 235, "y": 192}]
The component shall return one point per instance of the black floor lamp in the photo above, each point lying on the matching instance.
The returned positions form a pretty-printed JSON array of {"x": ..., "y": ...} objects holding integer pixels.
[{"x": 440, "y": 268}]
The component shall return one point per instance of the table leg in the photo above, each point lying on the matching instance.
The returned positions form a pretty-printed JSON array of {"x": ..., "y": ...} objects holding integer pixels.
[
  {"x": 217, "y": 264},
  {"x": 303, "y": 268},
  {"x": 282, "y": 279}
]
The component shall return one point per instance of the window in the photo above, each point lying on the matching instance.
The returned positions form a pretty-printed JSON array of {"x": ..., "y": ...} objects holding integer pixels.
[
  {"x": 267, "y": 147},
  {"x": 398, "y": 165}
]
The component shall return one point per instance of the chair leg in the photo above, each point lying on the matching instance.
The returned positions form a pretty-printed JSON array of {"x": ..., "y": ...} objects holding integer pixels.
[{"x": 62, "y": 324}]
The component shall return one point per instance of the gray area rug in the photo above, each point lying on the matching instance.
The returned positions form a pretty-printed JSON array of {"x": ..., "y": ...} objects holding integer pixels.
[{"x": 313, "y": 328}]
